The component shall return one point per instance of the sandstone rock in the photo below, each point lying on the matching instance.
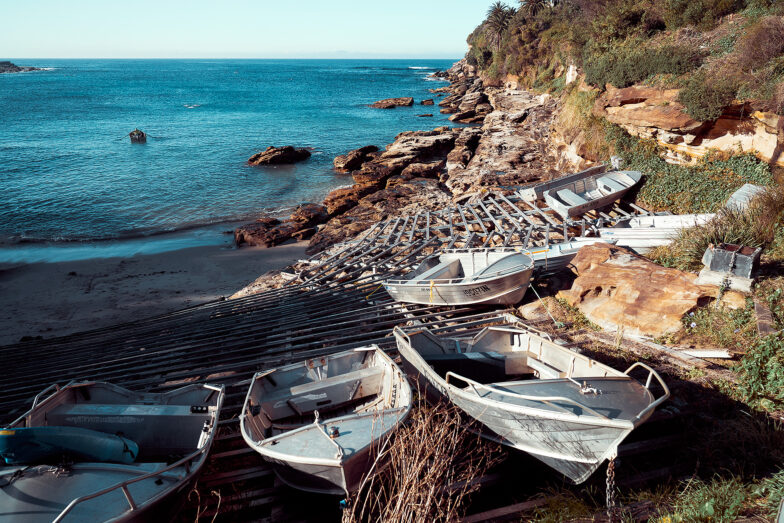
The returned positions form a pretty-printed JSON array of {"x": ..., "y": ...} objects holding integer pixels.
[
  {"x": 266, "y": 232},
  {"x": 511, "y": 148},
  {"x": 616, "y": 289},
  {"x": 424, "y": 170},
  {"x": 391, "y": 103},
  {"x": 656, "y": 114},
  {"x": 309, "y": 214},
  {"x": 353, "y": 160},
  {"x": 341, "y": 200},
  {"x": 429, "y": 101},
  {"x": 304, "y": 234},
  {"x": 426, "y": 115},
  {"x": 279, "y": 155},
  {"x": 409, "y": 197}
]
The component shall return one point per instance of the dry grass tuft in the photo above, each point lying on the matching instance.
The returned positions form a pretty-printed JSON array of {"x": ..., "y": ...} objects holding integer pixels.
[
  {"x": 755, "y": 227},
  {"x": 430, "y": 466}
]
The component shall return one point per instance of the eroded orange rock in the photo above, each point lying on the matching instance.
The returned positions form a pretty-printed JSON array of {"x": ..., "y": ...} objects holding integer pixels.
[{"x": 616, "y": 288}]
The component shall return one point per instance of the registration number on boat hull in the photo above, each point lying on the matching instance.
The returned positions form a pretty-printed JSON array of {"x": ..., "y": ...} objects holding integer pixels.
[{"x": 476, "y": 291}]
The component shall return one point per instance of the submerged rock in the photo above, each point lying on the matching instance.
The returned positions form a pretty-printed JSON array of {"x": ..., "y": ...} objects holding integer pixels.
[
  {"x": 279, "y": 155},
  {"x": 429, "y": 101},
  {"x": 391, "y": 103}
]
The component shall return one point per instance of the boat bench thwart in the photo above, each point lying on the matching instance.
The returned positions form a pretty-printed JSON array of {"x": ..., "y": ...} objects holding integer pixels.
[
  {"x": 567, "y": 410},
  {"x": 319, "y": 422}
]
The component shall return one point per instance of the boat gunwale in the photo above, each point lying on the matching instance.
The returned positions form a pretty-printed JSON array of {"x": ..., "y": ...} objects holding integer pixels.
[{"x": 484, "y": 278}]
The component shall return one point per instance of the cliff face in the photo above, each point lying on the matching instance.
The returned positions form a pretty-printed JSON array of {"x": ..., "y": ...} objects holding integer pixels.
[{"x": 653, "y": 113}]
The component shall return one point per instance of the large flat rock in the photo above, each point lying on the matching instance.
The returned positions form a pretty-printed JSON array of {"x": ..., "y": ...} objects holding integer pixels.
[{"x": 616, "y": 289}]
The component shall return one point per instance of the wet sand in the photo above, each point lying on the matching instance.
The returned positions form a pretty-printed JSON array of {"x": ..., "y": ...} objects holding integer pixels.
[{"x": 54, "y": 299}]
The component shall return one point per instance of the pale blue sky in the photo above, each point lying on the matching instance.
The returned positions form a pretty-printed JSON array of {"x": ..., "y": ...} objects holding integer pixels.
[{"x": 237, "y": 28}]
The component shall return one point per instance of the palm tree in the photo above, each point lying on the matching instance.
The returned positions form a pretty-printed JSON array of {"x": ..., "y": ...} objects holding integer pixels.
[
  {"x": 533, "y": 7},
  {"x": 498, "y": 17}
]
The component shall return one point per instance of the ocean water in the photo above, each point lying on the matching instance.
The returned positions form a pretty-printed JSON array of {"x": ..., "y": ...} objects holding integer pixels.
[{"x": 73, "y": 186}]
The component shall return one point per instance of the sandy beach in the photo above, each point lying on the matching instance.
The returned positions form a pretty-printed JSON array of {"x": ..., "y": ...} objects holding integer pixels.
[{"x": 55, "y": 299}]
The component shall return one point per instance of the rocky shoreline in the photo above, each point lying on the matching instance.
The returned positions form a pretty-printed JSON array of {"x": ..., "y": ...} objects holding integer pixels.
[
  {"x": 507, "y": 140},
  {"x": 8, "y": 67}
]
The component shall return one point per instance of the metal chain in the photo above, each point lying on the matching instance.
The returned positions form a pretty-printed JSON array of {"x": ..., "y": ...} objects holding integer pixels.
[{"x": 612, "y": 498}]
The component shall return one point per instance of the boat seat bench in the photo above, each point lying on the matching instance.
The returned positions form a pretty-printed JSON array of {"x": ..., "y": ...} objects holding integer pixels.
[
  {"x": 134, "y": 422},
  {"x": 301, "y": 400},
  {"x": 450, "y": 269},
  {"x": 611, "y": 184},
  {"x": 570, "y": 197}
]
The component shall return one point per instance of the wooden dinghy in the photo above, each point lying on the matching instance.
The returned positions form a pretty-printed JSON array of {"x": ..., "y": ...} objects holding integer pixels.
[
  {"x": 528, "y": 392},
  {"x": 93, "y": 451},
  {"x": 320, "y": 422},
  {"x": 466, "y": 276},
  {"x": 593, "y": 192}
]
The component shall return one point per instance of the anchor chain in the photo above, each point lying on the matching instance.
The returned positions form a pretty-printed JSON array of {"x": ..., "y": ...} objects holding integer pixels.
[{"x": 612, "y": 493}]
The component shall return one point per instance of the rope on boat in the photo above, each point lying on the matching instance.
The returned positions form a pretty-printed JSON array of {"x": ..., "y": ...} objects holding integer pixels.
[
  {"x": 432, "y": 283},
  {"x": 374, "y": 291}
]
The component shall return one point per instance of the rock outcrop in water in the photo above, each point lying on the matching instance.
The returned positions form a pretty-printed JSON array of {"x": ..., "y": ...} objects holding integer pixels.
[
  {"x": 269, "y": 231},
  {"x": 391, "y": 103},
  {"x": 279, "y": 156},
  {"x": 353, "y": 160},
  {"x": 8, "y": 67}
]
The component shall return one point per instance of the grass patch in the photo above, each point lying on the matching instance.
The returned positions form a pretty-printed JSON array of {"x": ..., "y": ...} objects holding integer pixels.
[
  {"x": 718, "y": 500},
  {"x": 771, "y": 491},
  {"x": 681, "y": 189},
  {"x": 722, "y": 327}
]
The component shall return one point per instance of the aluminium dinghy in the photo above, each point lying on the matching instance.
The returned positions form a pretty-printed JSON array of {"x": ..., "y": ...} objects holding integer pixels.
[
  {"x": 567, "y": 410},
  {"x": 466, "y": 277},
  {"x": 93, "y": 451},
  {"x": 576, "y": 198},
  {"x": 321, "y": 421}
]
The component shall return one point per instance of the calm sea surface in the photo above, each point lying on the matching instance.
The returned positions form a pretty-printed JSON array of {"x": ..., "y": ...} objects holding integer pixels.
[{"x": 73, "y": 186}]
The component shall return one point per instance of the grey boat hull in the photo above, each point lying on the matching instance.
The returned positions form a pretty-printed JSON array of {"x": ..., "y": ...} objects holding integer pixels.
[
  {"x": 569, "y": 430},
  {"x": 330, "y": 454},
  {"x": 593, "y": 192},
  {"x": 467, "y": 277}
]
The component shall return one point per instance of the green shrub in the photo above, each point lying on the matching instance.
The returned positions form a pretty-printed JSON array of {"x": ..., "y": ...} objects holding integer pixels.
[
  {"x": 705, "y": 98},
  {"x": 761, "y": 373},
  {"x": 625, "y": 66},
  {"x": 702, "y": 13}
]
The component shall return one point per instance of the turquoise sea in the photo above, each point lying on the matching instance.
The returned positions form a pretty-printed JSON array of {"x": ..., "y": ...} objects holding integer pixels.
[{"x": 73, "y": 186}]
